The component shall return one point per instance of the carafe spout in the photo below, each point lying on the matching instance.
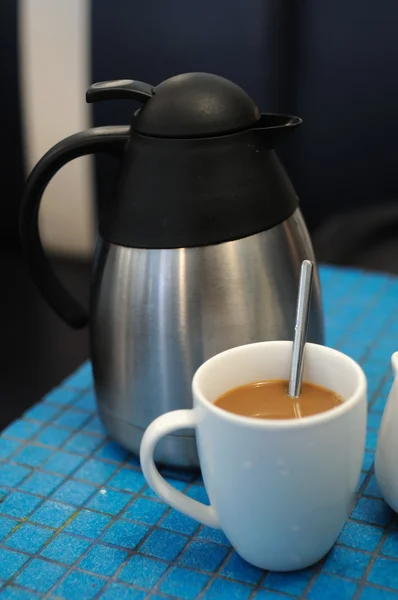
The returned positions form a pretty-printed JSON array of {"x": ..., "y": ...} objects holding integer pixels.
[{"x": 272, "y": 127}]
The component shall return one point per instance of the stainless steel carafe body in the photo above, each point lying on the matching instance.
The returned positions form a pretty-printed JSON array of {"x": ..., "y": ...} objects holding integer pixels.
[{"x": 157, "y": 314}]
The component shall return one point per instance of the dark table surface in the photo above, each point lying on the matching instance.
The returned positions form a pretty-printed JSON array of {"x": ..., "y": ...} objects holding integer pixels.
[{"x": 38, "y": 350}]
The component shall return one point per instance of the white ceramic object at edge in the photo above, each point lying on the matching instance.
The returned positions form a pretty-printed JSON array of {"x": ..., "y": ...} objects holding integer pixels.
[
  {"x": 386, "y": 462},
  {"x": 280, "y": 490}
]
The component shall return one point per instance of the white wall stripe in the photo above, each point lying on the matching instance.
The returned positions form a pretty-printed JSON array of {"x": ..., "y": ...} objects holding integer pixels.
[{"x": 54, "y": 50}]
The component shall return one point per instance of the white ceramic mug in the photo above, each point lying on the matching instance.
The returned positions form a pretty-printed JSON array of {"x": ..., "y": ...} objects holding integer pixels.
[
  {"x": 386, "y": 464},
  {"x": 281, "y": 490}
]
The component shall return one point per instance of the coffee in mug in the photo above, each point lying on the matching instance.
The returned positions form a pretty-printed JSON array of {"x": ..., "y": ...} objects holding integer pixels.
[{"x": 271, "y": 400}]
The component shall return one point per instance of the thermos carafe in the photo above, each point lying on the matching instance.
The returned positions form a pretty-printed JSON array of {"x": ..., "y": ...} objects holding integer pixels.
[{"x": 199, "y": 246}]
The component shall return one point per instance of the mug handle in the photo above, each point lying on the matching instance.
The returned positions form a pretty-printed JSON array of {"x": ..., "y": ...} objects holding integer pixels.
[{"x": 163, "y": 425}]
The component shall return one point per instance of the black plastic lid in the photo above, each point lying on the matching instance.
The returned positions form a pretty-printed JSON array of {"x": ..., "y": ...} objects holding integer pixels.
[
  {"x": 196, "y": 105},
  {"x": 198, "y": 168}
]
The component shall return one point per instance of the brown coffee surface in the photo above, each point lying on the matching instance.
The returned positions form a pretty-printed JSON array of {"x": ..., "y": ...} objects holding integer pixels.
[{"x": 270, "y": 400}]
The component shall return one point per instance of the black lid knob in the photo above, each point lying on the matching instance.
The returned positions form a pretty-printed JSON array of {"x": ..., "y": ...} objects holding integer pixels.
[
  {"x": 185, "y": 106},
  {"x": 196, "y": 105}
]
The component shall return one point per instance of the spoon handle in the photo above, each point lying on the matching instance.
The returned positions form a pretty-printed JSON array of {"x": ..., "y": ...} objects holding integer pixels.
[{"x": 300, "y": 333}]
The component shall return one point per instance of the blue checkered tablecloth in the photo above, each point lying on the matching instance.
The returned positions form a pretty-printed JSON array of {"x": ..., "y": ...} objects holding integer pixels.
[{"x": 77, "y": 520}]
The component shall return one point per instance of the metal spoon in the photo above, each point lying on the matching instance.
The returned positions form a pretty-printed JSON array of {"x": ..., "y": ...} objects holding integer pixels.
[{"x": 300, "y": 333}]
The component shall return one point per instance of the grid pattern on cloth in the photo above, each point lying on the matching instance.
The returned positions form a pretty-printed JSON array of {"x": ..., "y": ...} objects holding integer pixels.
[{"x": 77, "y": 520}]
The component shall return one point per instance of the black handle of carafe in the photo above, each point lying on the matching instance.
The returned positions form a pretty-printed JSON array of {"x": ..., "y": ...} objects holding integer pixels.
[{"x": 111, "y": 140}]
